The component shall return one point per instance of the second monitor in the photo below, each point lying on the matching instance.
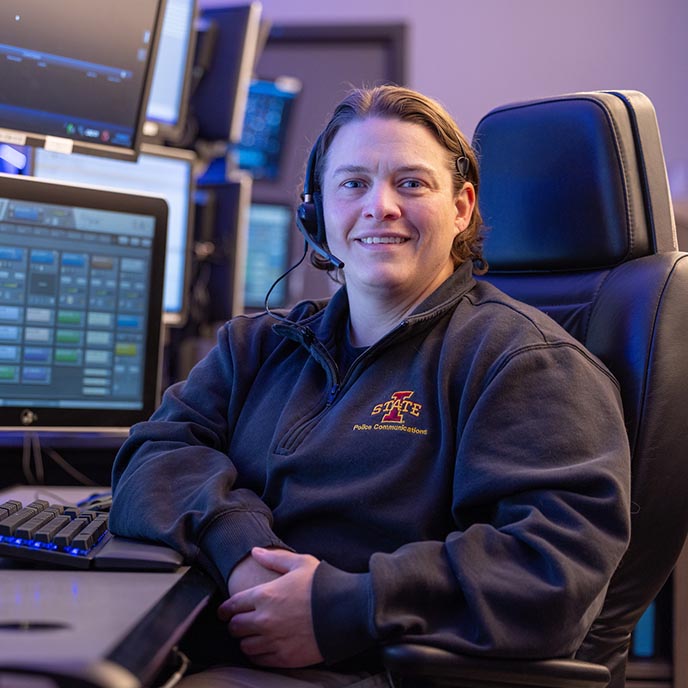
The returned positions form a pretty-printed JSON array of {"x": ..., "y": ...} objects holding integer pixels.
[{"x": 160, "y": 171}]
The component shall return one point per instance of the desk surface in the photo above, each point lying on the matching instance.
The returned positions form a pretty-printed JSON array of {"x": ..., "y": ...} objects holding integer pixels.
[{"x": 103, "y": 628}]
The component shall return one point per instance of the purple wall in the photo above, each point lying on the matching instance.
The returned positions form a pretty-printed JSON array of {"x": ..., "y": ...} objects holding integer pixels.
[{"x": 475, "y": 55}]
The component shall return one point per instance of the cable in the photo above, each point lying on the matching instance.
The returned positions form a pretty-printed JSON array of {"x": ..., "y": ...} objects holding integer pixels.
[
  {"x": 390, "y": 680},
  {"x": 69, "y": 469},
  {"x": 178, "y": 675},
  {"x": 37, "y": 458},
  {"x": 26, "y": 459},
  {"x": 278, "y": 280},
  {"x": 32, "y": 453},
  {"x": 42, "y": 492}
]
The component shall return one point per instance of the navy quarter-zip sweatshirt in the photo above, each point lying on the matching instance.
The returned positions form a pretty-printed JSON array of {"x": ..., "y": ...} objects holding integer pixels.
[{"x": 465, "y": 482}]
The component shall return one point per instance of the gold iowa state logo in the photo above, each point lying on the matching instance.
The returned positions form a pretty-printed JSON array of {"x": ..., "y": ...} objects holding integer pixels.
[{"x": 394, "y": 414}]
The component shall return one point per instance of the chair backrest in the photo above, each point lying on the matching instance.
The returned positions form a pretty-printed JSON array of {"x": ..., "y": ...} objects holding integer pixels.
[{"x": 576, "y": 202}]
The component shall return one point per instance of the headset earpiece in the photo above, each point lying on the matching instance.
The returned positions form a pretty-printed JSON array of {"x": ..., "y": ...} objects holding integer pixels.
[
  {"x": 309, "y": 214},
  {"x": 307, "y": 220}
]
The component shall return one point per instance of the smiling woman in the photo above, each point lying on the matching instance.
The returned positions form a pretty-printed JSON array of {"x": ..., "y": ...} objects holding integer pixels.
[
  {"x": 395, "y": 104},
  {"x": 392, "y": 215},
  {"x": 376, "y": 466}
]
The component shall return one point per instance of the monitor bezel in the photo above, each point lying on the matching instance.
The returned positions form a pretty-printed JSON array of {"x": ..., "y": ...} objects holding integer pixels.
[
  {"x": 156, "y": 131},
  {"x": 230, "y": 239},
  {"x": 66, "y": 145},
  {"x": 50, "y": 419},
  {"x": 235, "y": 96}
]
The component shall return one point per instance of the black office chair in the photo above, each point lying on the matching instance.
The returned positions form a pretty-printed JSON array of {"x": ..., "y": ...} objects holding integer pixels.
[{"x": 580, "y": 224}]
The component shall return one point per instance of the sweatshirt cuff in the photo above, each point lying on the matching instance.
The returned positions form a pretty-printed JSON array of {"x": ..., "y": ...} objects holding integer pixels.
[
  {"x": 341, "y": 613},
  {"x": 231, "y": 536}
]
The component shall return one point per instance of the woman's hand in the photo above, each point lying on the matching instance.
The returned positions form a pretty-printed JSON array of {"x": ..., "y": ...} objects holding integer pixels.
[{"x": 272, "y": 618}]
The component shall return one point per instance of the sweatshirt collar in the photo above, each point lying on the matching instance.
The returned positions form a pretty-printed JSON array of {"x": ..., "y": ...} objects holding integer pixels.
[{"x": 325, "y": 325}]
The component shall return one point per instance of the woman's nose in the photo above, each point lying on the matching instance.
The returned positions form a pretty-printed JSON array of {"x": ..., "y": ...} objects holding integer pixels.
[{"x": 381, "y": 203}]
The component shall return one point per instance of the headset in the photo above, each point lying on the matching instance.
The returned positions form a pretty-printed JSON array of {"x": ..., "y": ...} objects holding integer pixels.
[{"x": 309, "y": 214}]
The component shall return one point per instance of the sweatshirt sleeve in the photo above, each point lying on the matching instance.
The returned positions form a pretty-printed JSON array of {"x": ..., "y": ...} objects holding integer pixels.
[
  {"x": 541, "y": 512},
  {"x": 174, "y": 483}
]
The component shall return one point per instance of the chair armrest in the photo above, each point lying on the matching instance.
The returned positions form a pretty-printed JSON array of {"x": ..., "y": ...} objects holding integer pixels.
[{"x": 419, "y": 666}]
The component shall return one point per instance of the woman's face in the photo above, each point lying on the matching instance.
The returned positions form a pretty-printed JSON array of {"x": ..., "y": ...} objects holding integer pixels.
[{"x": 390, "y": 210}]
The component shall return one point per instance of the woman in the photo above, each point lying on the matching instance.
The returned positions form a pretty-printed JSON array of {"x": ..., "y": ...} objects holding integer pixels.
[{"x": 419, "y": 458}]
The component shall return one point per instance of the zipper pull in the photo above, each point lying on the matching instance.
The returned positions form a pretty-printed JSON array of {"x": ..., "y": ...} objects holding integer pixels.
[{"x": 332, "y": 394}]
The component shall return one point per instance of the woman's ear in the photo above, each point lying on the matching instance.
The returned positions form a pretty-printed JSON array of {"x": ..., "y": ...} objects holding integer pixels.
[{"x": 465, "y": 203}]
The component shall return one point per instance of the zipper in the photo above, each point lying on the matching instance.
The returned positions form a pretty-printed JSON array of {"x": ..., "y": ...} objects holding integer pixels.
[
  {"x": 338, "y": 386},
  {"x": 334, "y": 390},
  {"x": 293, "y": 438}
]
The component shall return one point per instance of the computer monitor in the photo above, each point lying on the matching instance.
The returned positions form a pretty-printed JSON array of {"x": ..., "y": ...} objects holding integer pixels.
[
  {"x": 227, "y": 41},
  {"x": 81, "y": 274},
  {"x": 222, "y": 214},
  {"x": 266, "y": 123},
  {"x": 75, "y": 74},
  {"x": 270, "y": 228},
  {"x": 169, "y": 93},
  {"x": 159, "y": 170}
]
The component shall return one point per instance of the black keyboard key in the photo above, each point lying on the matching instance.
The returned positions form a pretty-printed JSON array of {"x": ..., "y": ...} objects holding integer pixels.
[
  {"x": 9, "y": 507},
  {"x": 91, "y": 533},
  {"x": 69, "y": 532},
  {"x": 90, "y": 515},
  {"x": 38, "y": 505},
  {"x": 47, "y": 532},
  {"x": 84, "y": 540},
  {"x": 28, "y": 529}
]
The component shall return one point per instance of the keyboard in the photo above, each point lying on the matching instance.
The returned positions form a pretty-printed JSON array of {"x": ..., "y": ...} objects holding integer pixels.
[{"x": 63, "y": 535}]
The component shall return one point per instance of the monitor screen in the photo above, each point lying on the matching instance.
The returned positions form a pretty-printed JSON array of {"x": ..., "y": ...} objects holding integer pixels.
[
  {"x": 268, "y": 113},
  {"x": 161, "y": 171},
  {"x": 81, "y": 274},
  {"x": 168, "y": 99},
  {"x": 227, "y": 42},
  {"x": 270, "y": 228},
  {"x": 75, "y": 75}
]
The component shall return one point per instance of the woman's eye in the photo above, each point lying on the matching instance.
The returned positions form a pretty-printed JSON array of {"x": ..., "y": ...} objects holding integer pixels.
[{"x": 353, "y": 184}]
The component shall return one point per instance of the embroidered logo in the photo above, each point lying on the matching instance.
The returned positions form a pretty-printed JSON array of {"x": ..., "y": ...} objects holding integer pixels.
[
  {"x": 396, "y": 407},
  {"x": 395, "y": 414}
]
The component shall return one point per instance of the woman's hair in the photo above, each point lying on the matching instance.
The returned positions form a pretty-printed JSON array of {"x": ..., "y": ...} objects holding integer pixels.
[{"x": 406, "y": 105}]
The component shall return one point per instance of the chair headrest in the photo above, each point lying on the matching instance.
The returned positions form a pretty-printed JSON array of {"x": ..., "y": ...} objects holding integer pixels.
[{"x": 574, "y": 182}]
